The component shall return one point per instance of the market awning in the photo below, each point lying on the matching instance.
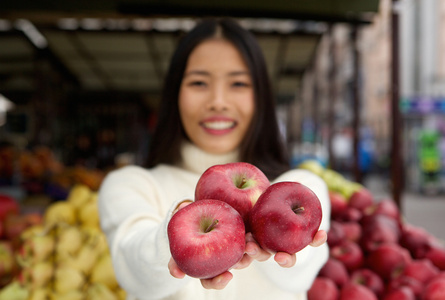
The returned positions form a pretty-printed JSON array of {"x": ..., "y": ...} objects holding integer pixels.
[{"x": 125, "y": 45}]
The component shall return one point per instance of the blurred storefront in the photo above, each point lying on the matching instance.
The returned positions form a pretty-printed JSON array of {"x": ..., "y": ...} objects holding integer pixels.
[{"x": 423, "y": 94}]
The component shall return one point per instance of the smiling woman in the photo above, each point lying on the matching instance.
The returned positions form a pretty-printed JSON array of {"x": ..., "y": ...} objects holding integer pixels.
[
  {"x": 217, "y": 108},
  {"x": 222, "y": 58}
]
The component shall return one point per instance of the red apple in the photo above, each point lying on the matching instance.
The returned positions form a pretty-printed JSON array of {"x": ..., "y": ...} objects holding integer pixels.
[
  {"x": 335, "y": 270},
  {"x": 286, "y": 217},
  {"x": 436, "y": 254},
  {"x": 350, "y": 214},
  {"x": 338, "y": 204},
  {"x": 206, "y": 238},
  {"x": 354, "y": 291},
  {"x": 421, "y": 269},
  {"x": 323, "y": 289},
  {"x": 388, "y": 260},
  {"x": 435, "y": 289},
  {"x": 349, "y": 253},
  {"x": 401, "y": 293},
  {"x": 385, "y": 207},
  {"x": 416, "y": 239},
  {"x": 370, "y": 279},
  {"x": 353, "y": 231},
  {"x": 239, "y": 184},
  {"x": 405, "y": 281},
  {"x": 361, "y": 199},
  {"x": 336, "y": 233},
  {"x": 8, "y": 206},
  {"x": 377, "y": 230}
]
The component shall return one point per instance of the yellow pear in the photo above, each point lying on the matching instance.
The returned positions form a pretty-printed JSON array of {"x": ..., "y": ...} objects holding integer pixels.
[
  {"x": 89, "y": 214},
  {"x": 96, "y": 238},
  {"x": 69, "y": 241},
  {"x": 99, "y": 291},
  {"x": 85, "y": 259},
  {"x": 35, "y": 249},
  {"x": 14, "y": 291},
  {"x": 70, "y": 295},
  {"x": 37, "y": 276},
  {"x": 42, "y": 293},
  {"x": 79, "y": 195},
  {"x": 67, "y": 279},
  {"x": 32, "y": 231},
  {"x": 103, "y": 272},
  {"x": 60, "y": 212}
]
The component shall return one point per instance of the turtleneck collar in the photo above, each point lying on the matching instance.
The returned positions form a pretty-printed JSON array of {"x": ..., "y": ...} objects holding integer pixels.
[{"x": 196, "y": 160}]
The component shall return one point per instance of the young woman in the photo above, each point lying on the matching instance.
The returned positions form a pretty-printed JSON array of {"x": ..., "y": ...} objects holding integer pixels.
[{"x": 217, "y": 107}]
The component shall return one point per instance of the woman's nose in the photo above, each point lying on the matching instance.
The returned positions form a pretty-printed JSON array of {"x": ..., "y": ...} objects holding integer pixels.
[{"x": 218, "y": 100}]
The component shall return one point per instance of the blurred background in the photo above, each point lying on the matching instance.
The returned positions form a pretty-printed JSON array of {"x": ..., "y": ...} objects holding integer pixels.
[{"x": 360, "y": 87}]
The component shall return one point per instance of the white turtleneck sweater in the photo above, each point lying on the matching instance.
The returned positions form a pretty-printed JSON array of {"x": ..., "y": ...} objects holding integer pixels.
[{"x": 135, "y": 206}]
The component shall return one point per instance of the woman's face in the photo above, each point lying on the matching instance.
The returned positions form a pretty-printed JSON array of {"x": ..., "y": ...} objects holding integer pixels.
[{"x": 216, "y": 98}]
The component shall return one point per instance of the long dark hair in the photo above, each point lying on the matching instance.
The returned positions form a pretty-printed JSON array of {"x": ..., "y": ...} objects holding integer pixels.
[{"x": 263, "y": 145}]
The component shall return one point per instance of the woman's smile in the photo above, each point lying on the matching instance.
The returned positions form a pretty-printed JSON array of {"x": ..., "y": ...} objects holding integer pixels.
[{"x": 218, "y": 125}]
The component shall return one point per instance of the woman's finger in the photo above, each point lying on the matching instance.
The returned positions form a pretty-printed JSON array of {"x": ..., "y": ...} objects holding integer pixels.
[
  {"x": 174, "y": 269},
  {"x": 245, "y": 261},
  {"x": 285, "y": 260},
  {"x": 254, "y": 250},
  {"x": 217, "y": 283},
  {"x": 319, "y": 239}
]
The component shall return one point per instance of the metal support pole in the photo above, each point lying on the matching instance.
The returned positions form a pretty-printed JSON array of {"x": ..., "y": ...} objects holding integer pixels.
[
  {"x": 356, "y": 104},
  {"x": 332, "y": 98},
  {"x": 396, "y": 127}
]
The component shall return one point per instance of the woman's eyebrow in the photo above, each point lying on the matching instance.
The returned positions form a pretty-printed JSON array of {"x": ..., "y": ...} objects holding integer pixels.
[
  {"x": 235, "y": 73},
  {"x": 205, "y": 73},
  {"x": 197, "y": 72}
]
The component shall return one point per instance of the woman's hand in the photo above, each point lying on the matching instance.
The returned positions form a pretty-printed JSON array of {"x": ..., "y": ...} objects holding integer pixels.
[
  {"x": 255, "y": 252},
  {"x": 285, "y": 260},
  {"x": 217, "y": 283},
  {"x": 252, "y": 252}
]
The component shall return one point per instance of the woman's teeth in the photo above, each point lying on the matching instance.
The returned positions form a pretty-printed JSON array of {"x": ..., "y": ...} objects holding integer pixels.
[{"x": 219, "y": 125}]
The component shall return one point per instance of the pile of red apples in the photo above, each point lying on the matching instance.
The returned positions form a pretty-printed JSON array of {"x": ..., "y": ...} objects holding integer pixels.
[
  {"x": 376, "y": 254},
  {"x": 208, "y": 236}
]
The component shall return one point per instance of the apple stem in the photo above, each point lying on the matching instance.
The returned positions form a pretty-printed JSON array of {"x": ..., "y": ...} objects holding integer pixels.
[
  {"x": 298, "y": 209},
  {"x": 242, "y": 183},
  {"x": 211, "y": 226}
]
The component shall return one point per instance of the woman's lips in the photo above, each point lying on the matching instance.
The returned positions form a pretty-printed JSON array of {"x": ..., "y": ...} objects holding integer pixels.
[{"x": 218, "y": 126}]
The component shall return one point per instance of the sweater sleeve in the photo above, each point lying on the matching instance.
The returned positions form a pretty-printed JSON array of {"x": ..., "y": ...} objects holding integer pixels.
[
  {"x": 135, "y": 223},
  {"x": 310, "y": 260}
]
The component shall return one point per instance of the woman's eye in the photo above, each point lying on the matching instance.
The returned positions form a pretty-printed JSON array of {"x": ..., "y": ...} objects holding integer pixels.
[
  {"x": 240, "y": 84},
  {"x": 197, "y": 83}
]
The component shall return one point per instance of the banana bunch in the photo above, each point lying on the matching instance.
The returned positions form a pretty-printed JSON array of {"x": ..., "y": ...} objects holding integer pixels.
[
  {"x": 67, "y": 257},
  {"x": 334, "y": 180}
]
